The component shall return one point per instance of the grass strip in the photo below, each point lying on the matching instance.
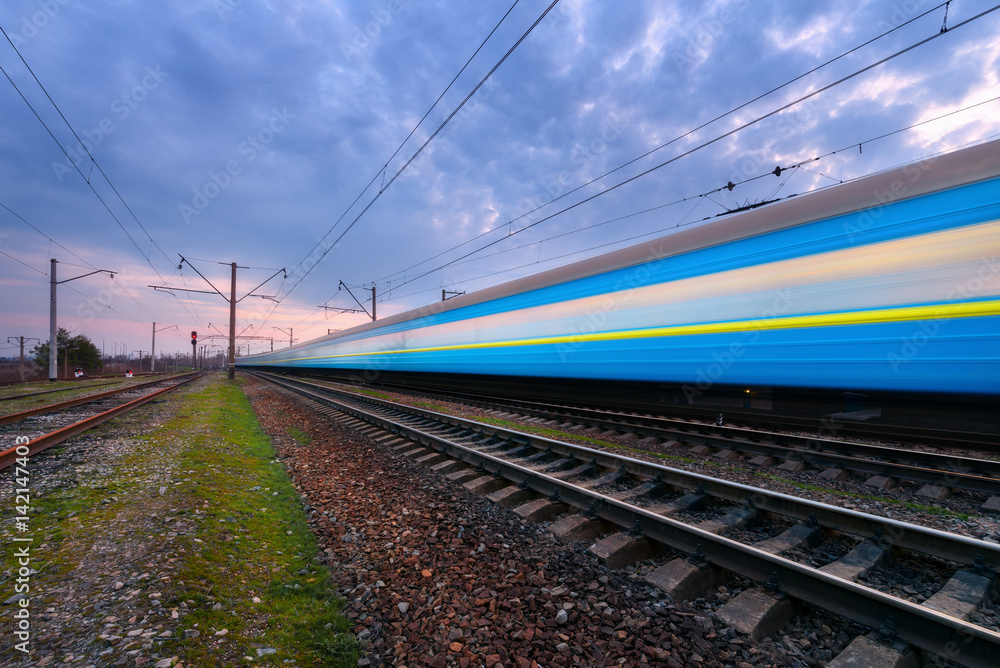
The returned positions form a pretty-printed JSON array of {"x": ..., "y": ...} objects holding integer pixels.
[
  {"x": 431, "y": 406},
  {"x": 250, "y": 570},
  {"x": 371, "y": 393},
  {"x": 930, "y": 510}
]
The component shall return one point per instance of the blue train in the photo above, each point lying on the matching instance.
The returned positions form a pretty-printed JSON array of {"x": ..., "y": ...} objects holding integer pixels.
[{"x": 886, "y": 284}]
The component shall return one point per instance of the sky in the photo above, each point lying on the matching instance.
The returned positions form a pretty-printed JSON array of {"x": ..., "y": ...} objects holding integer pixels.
[{"x": 278, "y": 134}]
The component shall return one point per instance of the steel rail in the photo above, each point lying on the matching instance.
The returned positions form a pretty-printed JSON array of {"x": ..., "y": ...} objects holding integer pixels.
[
  {"x": 927, "y": 629},
  {"x": 64, "y": 389},
  {"x": 928, "y": 436},
  {"x": 971, "y": 474},
  {"x": 809, "y": 445},
  {"x": 945, "y": 470},
  {"x": 9, "y": 457},
  {"x": 953, "y": 547},
  {"x": 70, "y": 403}
]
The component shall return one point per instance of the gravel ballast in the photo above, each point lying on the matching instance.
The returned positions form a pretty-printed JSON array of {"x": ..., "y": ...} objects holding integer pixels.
[{"x": 437, "y": 576}]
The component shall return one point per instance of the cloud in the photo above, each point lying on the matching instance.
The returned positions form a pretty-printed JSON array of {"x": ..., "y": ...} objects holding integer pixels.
[
  {"x": 812, "y": 31},
  {"x": 358, "y": 76}
]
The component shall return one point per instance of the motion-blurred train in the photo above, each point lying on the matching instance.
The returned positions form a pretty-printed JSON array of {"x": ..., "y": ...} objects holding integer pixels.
[{"x": 882, "y": 290}]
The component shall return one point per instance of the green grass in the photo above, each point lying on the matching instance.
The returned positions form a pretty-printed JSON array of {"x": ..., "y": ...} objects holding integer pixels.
[
  {"x": 372, "y": 393},
  {"x": 255, "y": 544},
  {"x": 252, "y": 536},
  {"x": 300, "y": 436},
  {"x": 931, "y": 510},
  {"x": 431, "y": 406},
  {"x": 51, "y": 520}
]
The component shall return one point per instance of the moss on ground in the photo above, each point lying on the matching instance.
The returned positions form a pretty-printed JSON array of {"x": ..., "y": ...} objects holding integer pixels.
[
  {"x": 251, "y": 540},
  {"x": 438, "y": 408},
  {"x": 370, "y": 393},
  {"x": 930, "y": 510},
  {"x": 253, "y": 543}
]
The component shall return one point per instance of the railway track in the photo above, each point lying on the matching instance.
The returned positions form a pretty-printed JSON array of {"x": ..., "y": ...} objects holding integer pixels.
[
  {"x": 755, "y": 420},
  {"x": 49, "y": 425},
  {"x": 47, "y": 409},
  {"x": 641, "y": 507},
  {"x": 947, "y": 471},
  {"x": 28, "y": 395}
]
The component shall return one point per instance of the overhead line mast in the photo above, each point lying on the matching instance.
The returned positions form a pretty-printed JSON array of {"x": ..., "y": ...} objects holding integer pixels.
[{"x": 233, "y": 301}]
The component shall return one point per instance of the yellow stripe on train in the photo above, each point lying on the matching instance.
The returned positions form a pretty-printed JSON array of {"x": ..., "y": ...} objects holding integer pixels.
[{"x": 869, "y": 317}]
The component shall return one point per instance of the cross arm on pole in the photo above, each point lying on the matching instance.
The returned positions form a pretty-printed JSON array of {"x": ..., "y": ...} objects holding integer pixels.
[
  {"x": 341, "y": 285},
  {"x": 183, "y": 260},
  {"x": 168, "y": 288},
  {"x": 341, "y": 310},
  {"x": 280, "y": 271},
  {"x": 99, "y": 271}
]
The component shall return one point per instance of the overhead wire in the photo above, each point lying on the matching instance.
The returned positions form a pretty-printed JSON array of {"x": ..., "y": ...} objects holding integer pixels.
[
  {"x": 420, "y": 150},
  {"x": 107, "y": 306},
  {"x": 616, "y": 242},
  {"x": 89, "y": 184},
  {"x": 59, "y": 144},
  {"x": 70, "y": 287},
  {"x": 87, "y": 265},
  {"x": 673, "y": 141},
  {"x": 790, "y": 169},
  {"x": 51, "y": 240},
  {"x": 87, "y": 180},
  {"x": 92, "y": 159},
  {"x": 710, "y": 142},
  {"x": 385, "y": 167},
  {"x": 282, "y": 296},
  {"x": 24, "y": 263}
]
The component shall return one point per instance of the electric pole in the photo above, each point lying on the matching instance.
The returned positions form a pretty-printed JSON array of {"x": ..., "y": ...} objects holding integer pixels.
[
  {"x": 53, "y": 360},
  {"x": 233, "y": 301},
  {"x": 232, "y": 328},
  {"x": 289, "y": 336},
  {"x": 21, "y": 340},
  {"x": 349, "y": 310},
  {"x": 152, "y": 355},
  {"x": 453, "y": 293},
  {"x": 53, "y": 343}
]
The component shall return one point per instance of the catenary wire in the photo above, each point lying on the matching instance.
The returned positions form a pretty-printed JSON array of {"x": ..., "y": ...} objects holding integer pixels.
[
  {"x": 710, "y": 142},
  {"x": 22, "y": 219},
  {"x": 92, "y": 159},
  {"x": 86, "y": 180},
  {"x": 420, "y": 149},
  {"x": 412, "y": 131},
  {"x": 672, "y": 141},
  {"x": 88, "y": 264},
  {"x": 24, "y": 263},
  {"x": 381, "y": 171},
  {"x": 797, "y": 165}
]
